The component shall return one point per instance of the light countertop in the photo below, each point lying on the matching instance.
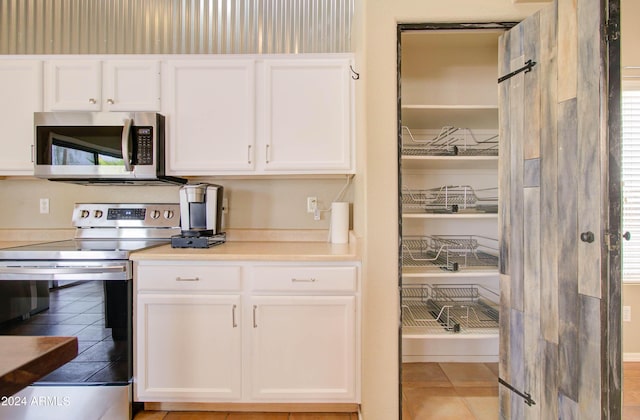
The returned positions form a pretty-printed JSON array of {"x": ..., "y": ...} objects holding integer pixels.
[
  {"x": 257, "y": 245},
  {"x": 260, "y": 251}
]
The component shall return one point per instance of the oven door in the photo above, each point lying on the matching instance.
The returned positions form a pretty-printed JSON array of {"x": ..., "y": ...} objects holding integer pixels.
[{"x": 95, "y": 304}]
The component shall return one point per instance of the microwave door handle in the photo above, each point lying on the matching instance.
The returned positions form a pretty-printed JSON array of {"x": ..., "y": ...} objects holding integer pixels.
[{"x": 126, "y": 131}]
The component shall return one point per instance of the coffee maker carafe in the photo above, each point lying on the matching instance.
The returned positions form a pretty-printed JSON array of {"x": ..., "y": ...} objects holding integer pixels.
[{"x": 200, "y": 216}]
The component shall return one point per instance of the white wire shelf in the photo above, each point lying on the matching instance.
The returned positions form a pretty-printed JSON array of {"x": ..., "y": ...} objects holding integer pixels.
[
  {"x": 450, "y": 252},
  {"x": 450, "y": 199},
  {"x": 451, "y": 308}
]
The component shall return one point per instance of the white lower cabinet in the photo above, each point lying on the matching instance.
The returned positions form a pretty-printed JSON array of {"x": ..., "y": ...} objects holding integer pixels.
[
  {"x": 303, "y": 348},
  {"x": 214, "y": 332},
  {"x": 188, "y": 347},
  {"x": 188, "y": 339}
]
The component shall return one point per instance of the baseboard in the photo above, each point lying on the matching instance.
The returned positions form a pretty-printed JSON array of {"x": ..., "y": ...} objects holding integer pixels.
[
  {"x": 631, "y": 357},
  {"x": 254, "y": 407}
]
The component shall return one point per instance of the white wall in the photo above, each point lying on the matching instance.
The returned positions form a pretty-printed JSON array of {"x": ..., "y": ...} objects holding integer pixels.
[{"x": 253, "y": 203}]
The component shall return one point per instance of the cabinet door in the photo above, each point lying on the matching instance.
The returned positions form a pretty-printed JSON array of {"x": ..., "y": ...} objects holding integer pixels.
[
  {"x": 303, "y": 348},
  {"x": 21, "y": 87},
  {"x": 188, "y": 347},
  {"x": 131, "y": 85},
  {"x": 73, "y": 85},
  {"x": 307, "y": 115},
  {"x": 211, "y": 112}
]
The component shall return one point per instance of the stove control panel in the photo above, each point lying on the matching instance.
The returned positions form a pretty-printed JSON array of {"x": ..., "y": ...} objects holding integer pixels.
[
  {"x": 134, "y": 215},
  {"x": 127, "y": 213}
]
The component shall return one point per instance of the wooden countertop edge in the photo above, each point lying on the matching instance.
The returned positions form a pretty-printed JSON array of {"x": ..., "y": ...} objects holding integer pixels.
[{"x": 39, "y": 357}]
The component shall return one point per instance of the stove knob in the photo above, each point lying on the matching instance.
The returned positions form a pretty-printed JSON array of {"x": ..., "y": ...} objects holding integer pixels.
[
  {"x": 84, "y": 214},
  {"x": 168, "y": 214},
  {"x": 97, "y": 214},
  {"x": 155, "y": 214}
]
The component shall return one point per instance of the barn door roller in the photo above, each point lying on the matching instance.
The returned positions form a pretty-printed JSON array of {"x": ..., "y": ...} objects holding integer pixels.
[{"x": 528, "y": 65}]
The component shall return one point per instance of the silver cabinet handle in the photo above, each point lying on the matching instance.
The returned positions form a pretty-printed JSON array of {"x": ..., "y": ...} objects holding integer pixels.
[
  {"x": 187, "y": 278},
  {"x": 309, "y": 280},
  {"x": 249, "y": 154},
  {"x": 32, "y": 153},
  {"x": 255, "y": 308},
  {"x": 110, "y": 101},
  {"x": 233, "y": 316},
  {"x": 268, "y": 154},
  {"x": 92, "y": 101}
]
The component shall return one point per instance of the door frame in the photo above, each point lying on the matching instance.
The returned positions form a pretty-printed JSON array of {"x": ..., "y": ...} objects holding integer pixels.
[
  {"x": 612, "y": 394},
  {"x": 400, "y": 28}
]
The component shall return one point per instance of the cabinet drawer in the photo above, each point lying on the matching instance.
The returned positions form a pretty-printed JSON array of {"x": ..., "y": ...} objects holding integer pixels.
[
  {"x": 189, "y": 277},
  {"x": 309, "y": 278}
]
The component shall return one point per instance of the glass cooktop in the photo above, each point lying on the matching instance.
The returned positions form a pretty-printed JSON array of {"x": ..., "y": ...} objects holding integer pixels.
[{"x": 73, "y": 249}]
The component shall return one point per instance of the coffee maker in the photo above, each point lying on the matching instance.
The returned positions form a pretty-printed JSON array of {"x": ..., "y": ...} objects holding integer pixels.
[{"x": 200, "y": 216}]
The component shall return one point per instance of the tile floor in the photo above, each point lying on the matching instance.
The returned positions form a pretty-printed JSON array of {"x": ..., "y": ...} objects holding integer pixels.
[
  {"x": 460, "y": 391},
  {"x": 443, "y": 391},
  {"x": 78, "y": 310}
]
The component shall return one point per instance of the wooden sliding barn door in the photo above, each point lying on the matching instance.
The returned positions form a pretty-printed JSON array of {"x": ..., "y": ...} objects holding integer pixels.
[{"x": 559, "y": 214}]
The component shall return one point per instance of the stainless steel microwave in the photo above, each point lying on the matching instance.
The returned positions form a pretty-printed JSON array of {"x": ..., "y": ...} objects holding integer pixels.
[{"x": 101, "y": 148}]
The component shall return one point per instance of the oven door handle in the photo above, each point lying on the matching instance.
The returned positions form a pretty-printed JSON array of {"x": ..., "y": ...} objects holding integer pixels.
[{"x": 63, "y": 269}]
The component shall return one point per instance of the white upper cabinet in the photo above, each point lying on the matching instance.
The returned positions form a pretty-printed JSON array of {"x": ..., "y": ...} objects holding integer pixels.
[
  {"x": 307, "y": 115},
  {"x": 95, "y": 85},
  {"x": 131, "y": 85},
  {"x": 225, "y": 114},
  {"x": 251, "y": 115},
  {"x": 210, "y": 107},
  {"x": 21, "y": 87}
]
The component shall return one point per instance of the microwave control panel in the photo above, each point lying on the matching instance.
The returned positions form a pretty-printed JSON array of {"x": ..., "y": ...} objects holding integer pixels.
[{"x": 144, "y": 145}]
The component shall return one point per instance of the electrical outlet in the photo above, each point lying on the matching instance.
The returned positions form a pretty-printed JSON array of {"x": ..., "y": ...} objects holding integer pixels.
[
  {"x": 44, "y": 206},
  {"x": 626, "y": 313},
  {"x": 312, "y": 204}
]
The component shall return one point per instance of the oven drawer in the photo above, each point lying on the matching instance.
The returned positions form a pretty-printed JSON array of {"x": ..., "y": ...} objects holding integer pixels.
[{"x": 180, "y": 277}]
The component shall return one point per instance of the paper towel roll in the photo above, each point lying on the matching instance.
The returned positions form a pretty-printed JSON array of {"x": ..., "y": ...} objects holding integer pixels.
[{"x": 340, "y": 222}]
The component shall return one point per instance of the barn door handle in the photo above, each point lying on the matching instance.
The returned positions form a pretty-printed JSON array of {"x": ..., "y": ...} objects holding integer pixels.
[
  {"x": 528, "y": 65},
  {"x": 587, "y": 237},
  {"x": 527, "y": 397},
  {"x": 627, "y": 236}
]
